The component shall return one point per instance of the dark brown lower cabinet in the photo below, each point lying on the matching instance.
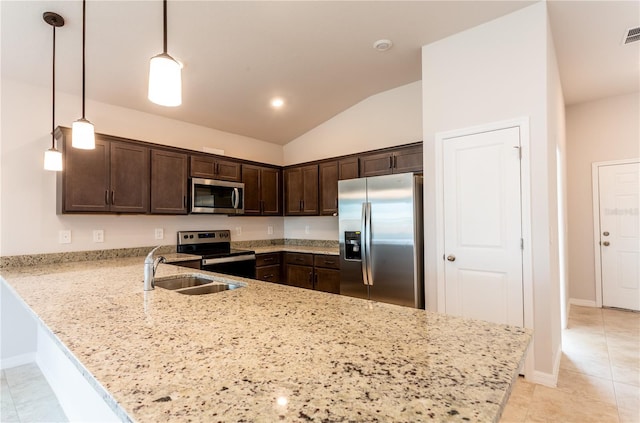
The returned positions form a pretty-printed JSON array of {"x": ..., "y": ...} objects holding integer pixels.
[
  {"x": 268, "y": 267},
  {"x": 313, "y": 271}
]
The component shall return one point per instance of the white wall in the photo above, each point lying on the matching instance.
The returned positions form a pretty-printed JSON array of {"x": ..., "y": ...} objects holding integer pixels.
[
  {"x": 18, "y": 330},
  {"x": 29, "y": 223},
  {"x": 386, "y": 119},
  {"x": 494, "y": 72},
  {"x": 601, "y": 130}
]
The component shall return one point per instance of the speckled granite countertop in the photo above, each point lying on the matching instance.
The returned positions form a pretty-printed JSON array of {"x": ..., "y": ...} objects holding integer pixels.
[{"x": 267, "y": 352}]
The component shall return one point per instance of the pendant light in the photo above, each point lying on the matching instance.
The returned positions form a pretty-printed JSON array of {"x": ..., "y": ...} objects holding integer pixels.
[
  {"x": 165, "y": 74},
  {"x": 83, "y": 135},
  {"x": 52, "y": 157}
]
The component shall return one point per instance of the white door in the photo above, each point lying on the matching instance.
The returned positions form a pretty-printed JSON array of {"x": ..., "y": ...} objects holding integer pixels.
[
  {"x": 482, "y": 226},
  {"x": 619, "y": 189}
]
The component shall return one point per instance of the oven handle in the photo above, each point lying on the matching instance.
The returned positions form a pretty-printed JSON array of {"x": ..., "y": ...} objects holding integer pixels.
[{"x": 244, "y": 257}]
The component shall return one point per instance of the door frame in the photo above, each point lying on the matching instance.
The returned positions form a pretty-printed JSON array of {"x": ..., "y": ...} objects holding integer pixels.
[
  {"x": 525, "y": 197},
  {"x": 597, "y": 258}
]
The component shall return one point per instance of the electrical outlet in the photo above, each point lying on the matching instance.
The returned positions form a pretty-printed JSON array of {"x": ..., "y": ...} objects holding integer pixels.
[
  {"x": 307, "y": 229},
  {"x": 64, "y": 237},
  {"x": 159, "y": 233},
  {"x": 98, "y": 235},
  {"x": 238, "y": 230},
  {"x": 269, "y": 230}
]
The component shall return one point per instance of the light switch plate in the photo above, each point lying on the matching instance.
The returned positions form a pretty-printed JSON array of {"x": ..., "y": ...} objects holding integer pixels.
[
  {"x": 98, "y": 235},
  {"x": 238, "y": 230},
  {"x": 159, "y": 233},
  {"x": 64, "y": 237},
  {"x": 307, "y": 229},
  {"x": 269, "y": 230}
]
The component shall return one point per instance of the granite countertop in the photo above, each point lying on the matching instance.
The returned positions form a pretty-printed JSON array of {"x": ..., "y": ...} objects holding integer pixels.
[{"x": 267, "y": 352}]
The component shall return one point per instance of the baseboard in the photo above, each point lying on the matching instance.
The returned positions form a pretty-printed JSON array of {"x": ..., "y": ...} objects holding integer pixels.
[
  {"x": 17, "y": 360},
  {"x": 583, "y": 303},
  {"x": 548, "y": 379}
]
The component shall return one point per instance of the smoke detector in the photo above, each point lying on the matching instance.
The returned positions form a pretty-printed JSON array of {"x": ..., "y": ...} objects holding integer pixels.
[
  {"x": 631, "y": 35},
  {"x": 383, "y": 45}
]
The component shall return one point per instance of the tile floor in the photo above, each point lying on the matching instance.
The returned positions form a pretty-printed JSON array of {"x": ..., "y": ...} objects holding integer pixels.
[
  {"x": 599, "y": 378},
  {"x": 27, "y": 397}
]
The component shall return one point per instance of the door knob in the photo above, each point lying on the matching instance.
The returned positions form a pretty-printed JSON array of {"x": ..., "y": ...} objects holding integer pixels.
[
  {"x": 451, "y": 257},
  {"x": 606, "y": 243},
  {"x": 605, "y": 233}
]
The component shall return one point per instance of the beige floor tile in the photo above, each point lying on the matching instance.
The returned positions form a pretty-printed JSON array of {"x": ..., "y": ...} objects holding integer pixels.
[
  {"x": 628, "y": 397},
  {"x": 8, "y": 411},
  {"x": 519, "y": 401},
  {"x": 587, "y": 387},
  {"x": 628, "y": 375},
  {"x": 554, "y": 405},
  {"x": 628, "y": 416},
  {"x": 592, "y": 366}
]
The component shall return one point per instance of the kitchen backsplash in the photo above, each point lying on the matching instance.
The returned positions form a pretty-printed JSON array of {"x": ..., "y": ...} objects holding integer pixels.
[{"x": 67, "y": 257}]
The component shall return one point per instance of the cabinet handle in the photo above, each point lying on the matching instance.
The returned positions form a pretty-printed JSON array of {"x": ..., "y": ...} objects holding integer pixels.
[
  {"x": 329, "y": 262},
  {"x": 310, "y": 277},
  {"x": 113, "y": 197},
  {"x": 299, "y": 259},
  {"x": 336, "y": 203},
  {"x": 184, "y": 201},
  {"x": 269, "y": 276},
  {"x": 300, "y": 205},
  {"x": 395, "y": 162},
  {"x": 390, "y": 162},
  {"x": 268, "y": 259},
  {"x": 261, "y": 206},
  {"x": 106, "y": 197}
]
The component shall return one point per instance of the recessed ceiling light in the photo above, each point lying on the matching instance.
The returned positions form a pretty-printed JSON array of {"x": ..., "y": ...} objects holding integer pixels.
[
  {"x": 277, "y": 103},
  {"x": 383, "y": 45}
]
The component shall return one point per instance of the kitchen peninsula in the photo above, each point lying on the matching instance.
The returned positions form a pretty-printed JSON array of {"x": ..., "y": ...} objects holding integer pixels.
[{"x": 266, "y": 352}]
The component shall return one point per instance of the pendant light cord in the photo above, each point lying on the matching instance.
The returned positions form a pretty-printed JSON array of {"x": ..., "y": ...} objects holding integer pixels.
[
  {"x": 84, "y": 19},
  {"x": 165, "y": 25},
  {"x": 53, "y": 96}
]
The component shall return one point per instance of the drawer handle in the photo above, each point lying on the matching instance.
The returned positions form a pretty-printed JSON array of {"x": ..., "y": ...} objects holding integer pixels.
[
  {"x": 329, "y": 262},
  {"x": 299, "y": 259},
  {"x": 268, "y": 259},
  {"x": 268, "y": 276}
]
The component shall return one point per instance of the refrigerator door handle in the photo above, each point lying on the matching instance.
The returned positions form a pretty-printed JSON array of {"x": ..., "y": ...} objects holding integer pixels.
[
  {"x": 368, "y": 242},
  {"x": 363, "y": 244}
]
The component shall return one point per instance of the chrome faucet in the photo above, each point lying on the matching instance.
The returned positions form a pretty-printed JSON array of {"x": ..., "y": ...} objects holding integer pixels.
[{"x": 150, "y": 266}]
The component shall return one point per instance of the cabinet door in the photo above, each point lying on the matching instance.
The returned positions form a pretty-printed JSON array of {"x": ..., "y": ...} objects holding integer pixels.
[
  {"x": 129, "y": 178},
  {"x": 84, "y": 183},
  {"x": 293, "y": 185},
  {"x": 168, "y": 182},
  {"x": 300, "y": 276},
  {"x": 252, "y": 197},
  {"x": 327, "y": 280},
  {"x": 202, "y": 167},
  {"x": 348, "y": 168},
  {"x": 271, "y": 191},
  {"x": 268, "y": 273},
  {"x": 376, "y": 164},
  {"x": 328, "y": 180},
  {"x": 228, "y": 171},
  {"x": 310, "y": 190},
  {"x": 407, "y": 160}
]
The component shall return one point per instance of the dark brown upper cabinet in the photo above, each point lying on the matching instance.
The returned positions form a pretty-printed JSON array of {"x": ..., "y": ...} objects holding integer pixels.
[
  {"x": 301, "y": 190},
  {"x": 262, "y": 190},
  {"x": 168, "y": 182},
  {"x": 402, "y": 160},
  {"x": 328, "y": 188},
  {"x": 211, "y": 167},
  {"x": 348, "y": 168},
  {"x": 114, "y": 177}
]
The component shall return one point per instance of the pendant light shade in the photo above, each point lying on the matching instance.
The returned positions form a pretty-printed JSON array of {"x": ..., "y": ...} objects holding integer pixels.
[
  {"x": 83, "y": 135},
  {"x": 165, "y": 74},
  {"x": 52, "y": 157},
  {"x": 82, "y": 132},
  {"x": 53, "y": 160},
  {"x": 165, "y": 81}
]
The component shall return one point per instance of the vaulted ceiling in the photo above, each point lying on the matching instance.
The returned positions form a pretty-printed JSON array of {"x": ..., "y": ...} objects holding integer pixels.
[{"x": 317, "y": 55}]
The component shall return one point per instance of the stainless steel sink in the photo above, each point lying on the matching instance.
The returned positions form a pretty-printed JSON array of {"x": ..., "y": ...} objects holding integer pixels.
[
  {"x": 194, "y": 284},
  {"x": 181, "y": 281}
]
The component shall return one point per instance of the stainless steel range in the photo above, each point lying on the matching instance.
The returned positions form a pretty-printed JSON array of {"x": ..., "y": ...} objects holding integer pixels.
[{"x": 217, "y": 254}]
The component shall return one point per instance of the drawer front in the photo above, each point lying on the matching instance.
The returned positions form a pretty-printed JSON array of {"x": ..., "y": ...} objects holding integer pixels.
[
  {"x": 268, "y": 273},
  {"x": 301, "y": 259},
  {"x": 267, "y": 259},
  {"x": 327, "y": 261}
]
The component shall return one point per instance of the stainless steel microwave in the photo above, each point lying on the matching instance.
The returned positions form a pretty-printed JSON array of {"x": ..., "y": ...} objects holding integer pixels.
[{"x": 213, "y": 196}]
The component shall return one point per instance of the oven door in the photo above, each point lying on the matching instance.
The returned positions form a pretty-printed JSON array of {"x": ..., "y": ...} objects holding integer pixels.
[
  {"x": 211, "y": 196},
  {"x": 243, "y": 265}
]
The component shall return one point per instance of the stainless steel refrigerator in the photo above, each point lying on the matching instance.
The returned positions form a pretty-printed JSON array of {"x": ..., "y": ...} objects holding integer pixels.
[{"x": 381, "y": 239}]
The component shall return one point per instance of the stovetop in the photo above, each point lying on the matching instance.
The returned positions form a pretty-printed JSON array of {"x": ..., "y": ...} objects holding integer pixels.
[{"x": 208, "y": 244}]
